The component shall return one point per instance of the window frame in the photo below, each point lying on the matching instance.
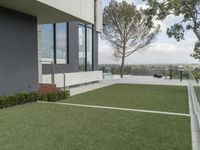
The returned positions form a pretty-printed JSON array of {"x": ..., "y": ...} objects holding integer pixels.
[
  {"x": 54, "y": 59},
  {"x": 88, "y": 26}
]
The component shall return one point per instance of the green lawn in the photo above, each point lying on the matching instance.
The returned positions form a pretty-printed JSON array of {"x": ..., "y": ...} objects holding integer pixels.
[
  {"x": 149, "y": 97},
  {"x": 41, "y": 126},
  {"x": 58, "y": 127}
]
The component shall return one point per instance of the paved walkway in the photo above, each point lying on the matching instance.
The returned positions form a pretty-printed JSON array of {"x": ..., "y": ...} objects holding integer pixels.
[
  {"x": 127, "y": 80},
  {"x": 86, "y": 88}
]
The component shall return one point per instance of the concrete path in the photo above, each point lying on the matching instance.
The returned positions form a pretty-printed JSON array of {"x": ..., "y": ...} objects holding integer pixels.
[
  {"x": 86, "y": 88},
  {"x": 117, "y": 108},
  {"x": 126, "y": 80}
]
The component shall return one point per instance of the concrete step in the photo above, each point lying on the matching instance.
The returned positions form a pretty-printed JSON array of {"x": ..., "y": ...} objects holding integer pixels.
[
  {"x": 47, "y": 88},
  {"x": 47, "y": 85}
]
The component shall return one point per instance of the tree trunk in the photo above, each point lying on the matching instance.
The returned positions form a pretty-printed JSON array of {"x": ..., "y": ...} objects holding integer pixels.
[
  {"x": 122, "y": 68},
  {"x": 122, "y": 65},
  {"x": 197, "y": 34}
]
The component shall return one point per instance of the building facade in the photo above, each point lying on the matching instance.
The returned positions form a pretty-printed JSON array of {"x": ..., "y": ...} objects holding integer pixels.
[{"x": 34, "y": 34}]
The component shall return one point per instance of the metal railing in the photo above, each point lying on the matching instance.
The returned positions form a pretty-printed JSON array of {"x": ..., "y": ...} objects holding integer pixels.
[
  {"x": 64, "y": 77},
  {"x": 54, "y": 76},
  {"x": 194, "y": 93}
]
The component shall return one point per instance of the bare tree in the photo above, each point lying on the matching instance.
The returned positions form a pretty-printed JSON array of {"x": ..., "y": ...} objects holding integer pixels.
[{"x": 127, "y": 29}]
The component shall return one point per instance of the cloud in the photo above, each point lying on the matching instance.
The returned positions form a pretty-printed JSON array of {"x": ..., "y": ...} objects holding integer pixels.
[{"x": 160, "y": 52}]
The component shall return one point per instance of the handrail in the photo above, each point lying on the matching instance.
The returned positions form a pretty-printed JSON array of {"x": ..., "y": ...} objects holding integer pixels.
[
  {"x": 193, "y": 95},
  {"x": 191, "y": 75},
  {"x": 53, "y": 67}
]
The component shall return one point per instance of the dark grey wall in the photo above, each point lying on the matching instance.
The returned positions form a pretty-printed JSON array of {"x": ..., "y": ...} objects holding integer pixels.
[
  {"x": 73, "y": 65},
  {"x": 96, "y": 50},
  {"x": 18, "y": 52}
]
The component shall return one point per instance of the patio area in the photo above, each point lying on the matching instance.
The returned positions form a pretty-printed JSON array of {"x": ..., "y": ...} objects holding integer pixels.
[{"x": 128, "y": 80}]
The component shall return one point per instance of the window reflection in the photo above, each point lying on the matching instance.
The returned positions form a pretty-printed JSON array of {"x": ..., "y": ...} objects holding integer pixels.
[
  {"x": 81, "y": 48},
  {"x": 46, "y": 42},
  {"x": 89, "y": 49},
  {"x": 61, "y": 43},
  {"x": 48, "y": 47}
]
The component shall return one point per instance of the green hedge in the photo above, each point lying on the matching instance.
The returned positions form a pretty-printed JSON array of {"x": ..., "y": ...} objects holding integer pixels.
[
  {"x": 23, "y": 98},
  {"x": 18, "y": 99},
  {"x": 53, "y": 97}
]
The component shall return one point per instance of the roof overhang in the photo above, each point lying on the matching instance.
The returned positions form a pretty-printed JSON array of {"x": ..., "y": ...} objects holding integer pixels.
[{"x": 47, "y": 11}]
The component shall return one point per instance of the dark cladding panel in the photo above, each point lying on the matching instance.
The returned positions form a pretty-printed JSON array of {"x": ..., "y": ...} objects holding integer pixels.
[{"x": 18, "y": 52}]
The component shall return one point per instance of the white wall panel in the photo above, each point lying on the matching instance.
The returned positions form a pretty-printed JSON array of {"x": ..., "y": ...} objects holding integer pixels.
[
  {"x": 50, "y": 11},
  {"x": 99, "y": 16},
  {"x": 83, "y": 9},
  {"x": 74, "y": 78}
]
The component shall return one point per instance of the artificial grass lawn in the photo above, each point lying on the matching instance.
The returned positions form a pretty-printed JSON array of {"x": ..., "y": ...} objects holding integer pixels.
[
  {"x": 149, "y": 97},
  {"x": 58, "y": 127}
]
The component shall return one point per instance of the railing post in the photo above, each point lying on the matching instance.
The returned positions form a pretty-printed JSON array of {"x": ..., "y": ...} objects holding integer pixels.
[
  {"x": 64, "y": 77},
  {"x": 52, "y": 73},
  {"x": 64, "y": 82},
  {"x": 194, "y": 96}
]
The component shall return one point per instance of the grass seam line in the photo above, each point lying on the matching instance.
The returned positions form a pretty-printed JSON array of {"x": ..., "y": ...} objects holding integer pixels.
[{"x": 117, "y": 108}]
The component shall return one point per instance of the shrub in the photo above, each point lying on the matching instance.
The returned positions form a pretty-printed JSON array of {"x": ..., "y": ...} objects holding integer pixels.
[
  {"x": 4, "y": 102},
  {"x": 33, "y": 97},
  {"x": 63, "y": 95},
  {"x": 17, "y": 99},
  {"x": 9, "y": 101},
  {"x": 23, "y": 98},
  {"x": 42, "y": 98},
  {"x": 53, "y": 97},
  {"x": 1, "y": 102}
]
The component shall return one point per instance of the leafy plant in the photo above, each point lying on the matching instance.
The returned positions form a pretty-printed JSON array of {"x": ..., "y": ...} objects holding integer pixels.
[
  {"x": 189, "y": 10},
  {"x": 53, "y": 97},
  {"x": 23, "y": 98}
]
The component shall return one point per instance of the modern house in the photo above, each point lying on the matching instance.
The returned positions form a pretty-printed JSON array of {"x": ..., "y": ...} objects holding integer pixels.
[{"x": 48, "y": 41}]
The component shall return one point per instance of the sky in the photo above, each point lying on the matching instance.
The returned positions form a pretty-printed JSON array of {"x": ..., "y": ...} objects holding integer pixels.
[{"x": 163, "y": 50}]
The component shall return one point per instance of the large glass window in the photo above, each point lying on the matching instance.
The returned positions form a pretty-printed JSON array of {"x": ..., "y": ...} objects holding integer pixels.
[
  {"x": 85, "y": 47},
  {"x": 89, "y": 49},
  {"x": 61, "y": 43},
  {"x": 82, "y": 46},
  {"x": 46, "y": 42},
  {"x": 53, "y": 42}
]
